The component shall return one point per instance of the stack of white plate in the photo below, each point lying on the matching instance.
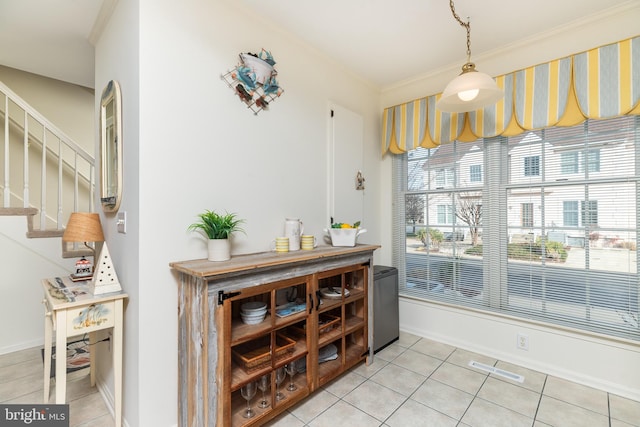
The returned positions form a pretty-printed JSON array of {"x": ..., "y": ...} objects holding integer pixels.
[{"x": 253, "y": 312}]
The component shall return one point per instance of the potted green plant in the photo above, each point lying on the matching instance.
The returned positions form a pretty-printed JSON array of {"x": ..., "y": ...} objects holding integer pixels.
[{"x": 217, "y": 228}]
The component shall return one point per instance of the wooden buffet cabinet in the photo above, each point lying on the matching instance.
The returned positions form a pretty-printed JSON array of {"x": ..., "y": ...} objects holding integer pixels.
[{"x": 317, "y": 302}]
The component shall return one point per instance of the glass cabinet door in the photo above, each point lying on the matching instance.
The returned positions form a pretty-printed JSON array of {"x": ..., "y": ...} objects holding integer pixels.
[
  {"x": 341, "y": 321},
  {"x": 264, "y": 350}
]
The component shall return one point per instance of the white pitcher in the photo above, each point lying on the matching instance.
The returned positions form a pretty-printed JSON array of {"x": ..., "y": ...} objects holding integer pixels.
[{"x": 293, "y": 229}]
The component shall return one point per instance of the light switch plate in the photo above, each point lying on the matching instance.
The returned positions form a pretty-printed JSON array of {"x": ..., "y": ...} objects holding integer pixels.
[{"x": 122, "y": 222}]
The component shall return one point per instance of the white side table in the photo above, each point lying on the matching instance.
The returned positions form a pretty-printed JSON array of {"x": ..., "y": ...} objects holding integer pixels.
[{"x": 71, "y": 309}]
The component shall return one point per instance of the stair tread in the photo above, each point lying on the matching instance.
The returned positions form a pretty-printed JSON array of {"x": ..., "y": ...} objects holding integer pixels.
[
  {"x": 44, "y": 233},
  {"x": 18, "y": 211}
]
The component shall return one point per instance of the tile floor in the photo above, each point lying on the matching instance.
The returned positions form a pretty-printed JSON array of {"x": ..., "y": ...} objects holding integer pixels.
[
  {"x": 21, "y": 381},
  {"x": 413, "y": 382},
  {"x": 419, "y": 382}
]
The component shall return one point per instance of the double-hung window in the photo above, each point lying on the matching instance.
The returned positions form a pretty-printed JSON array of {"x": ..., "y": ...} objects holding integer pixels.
[
  {"x": 475, "y": 173},
  {"x": 549, "y": 233}
]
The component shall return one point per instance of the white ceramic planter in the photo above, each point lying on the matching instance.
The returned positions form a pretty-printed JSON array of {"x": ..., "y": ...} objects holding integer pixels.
[{"x": 219, "y": 250}]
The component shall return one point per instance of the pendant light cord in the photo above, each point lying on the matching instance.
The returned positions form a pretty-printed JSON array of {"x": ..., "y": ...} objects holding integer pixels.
[{"x": 466, "y": 25}]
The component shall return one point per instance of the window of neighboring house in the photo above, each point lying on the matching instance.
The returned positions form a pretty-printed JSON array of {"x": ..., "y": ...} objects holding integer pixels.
[
  {"x": 593, "y": 160},
  {"x": 532, "y": 166},
  {"x": 574, "y": 162},
  {"x": 570, "y": 213},
  {"x": 569, "y": 162},
  {"x": 589, "y": 212},
  {"x": 445, "y": 214},
  {"x": 527, "y": 214},
  {"x": 529, "y": 271},
  {"x": 475, "y": 173},
  {"x": 445, "y": 178}
]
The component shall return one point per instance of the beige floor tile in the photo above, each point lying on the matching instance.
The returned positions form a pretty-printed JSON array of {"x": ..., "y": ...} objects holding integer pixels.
[
  {"x": 345, "y": 384},
  {"x": 533, "y": 380},
  {"x": 25, "y": 368},
  {"x": 313, "y": 405},
  {"x": 482, "y": 413},
  {"x": 618, "y": 423},
  {"x": 376, "y": 400},
  {"x": 562, "y": 414},
  {"x": 398, "y": 379},
  {"x": 391, "y": 352},
  {"x": 443, "y": 398},
  {"x": 32, "y": 354},
  {"x": 407, "y": 340},
  {"x": 87, "y": 408},
  {"x": 417, "y": 362},
  {"x": 461, "y": 378},
  {"x": 285, "y": 420},
  {"x": 13, "y": 389},
  {"x": 463, "y": 357},
  {"x": 376, "y": 395},
  {"x": 414, "y": 414},
  {"x": 368, "y": 370},
  {"x": 343, "y": 414},
  {"x": 433, "y": 348},
  {"x": 625, "y": 410},
  {"x": 35, "y": 398},
  {"x": 102, "y": 421},
  {"x": 510, "y": 396},
  {"x": 577, "y": 394}
]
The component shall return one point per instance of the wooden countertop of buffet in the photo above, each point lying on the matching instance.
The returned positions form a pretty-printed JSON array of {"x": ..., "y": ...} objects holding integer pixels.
[{"x": 247, "y": 262}]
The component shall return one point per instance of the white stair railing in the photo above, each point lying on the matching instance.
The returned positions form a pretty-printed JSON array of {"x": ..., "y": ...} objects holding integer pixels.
[{"x": 41, "y": 159}]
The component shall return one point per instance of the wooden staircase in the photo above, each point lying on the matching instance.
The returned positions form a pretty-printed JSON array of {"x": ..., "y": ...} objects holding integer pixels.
[{"x": 63, "y": 182}]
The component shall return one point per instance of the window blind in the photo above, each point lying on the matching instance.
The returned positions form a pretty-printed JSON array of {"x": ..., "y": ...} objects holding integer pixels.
[{"x": 548, "y": 233}]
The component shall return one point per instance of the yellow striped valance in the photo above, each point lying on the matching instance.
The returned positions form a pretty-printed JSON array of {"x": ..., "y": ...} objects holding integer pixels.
[{"x": 599, "y": 83}]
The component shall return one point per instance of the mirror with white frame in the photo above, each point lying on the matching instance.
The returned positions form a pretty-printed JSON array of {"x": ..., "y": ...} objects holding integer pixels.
[{"x": 111, "y": 147}]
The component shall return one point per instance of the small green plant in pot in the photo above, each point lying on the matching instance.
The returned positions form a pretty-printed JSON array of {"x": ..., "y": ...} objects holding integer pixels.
[{"x": 217, "y": 228}]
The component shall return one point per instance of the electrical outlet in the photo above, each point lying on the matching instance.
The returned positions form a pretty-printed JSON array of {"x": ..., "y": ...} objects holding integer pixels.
[{"x": 523, "y": 342}]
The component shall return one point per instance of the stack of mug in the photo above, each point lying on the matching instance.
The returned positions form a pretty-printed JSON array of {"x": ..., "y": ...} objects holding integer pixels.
[
  {"x": 282, "y": 244},
  {"x": 307, "y": 242}
]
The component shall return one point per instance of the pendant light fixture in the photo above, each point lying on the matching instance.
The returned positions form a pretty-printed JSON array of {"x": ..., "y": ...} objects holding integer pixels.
[{"x": 471, "y": 90}]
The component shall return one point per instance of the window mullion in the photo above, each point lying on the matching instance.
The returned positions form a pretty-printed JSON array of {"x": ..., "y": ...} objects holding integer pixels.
[{"x": 494, "y": 220}]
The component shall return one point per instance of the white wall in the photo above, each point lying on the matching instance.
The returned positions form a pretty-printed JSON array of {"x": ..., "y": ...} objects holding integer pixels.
[
  {"x": 66, "y": 105},
  {"x": 117, "y": 53},
  {"x": 195, "y": 134},
  {"x": 605, "y": 364}
]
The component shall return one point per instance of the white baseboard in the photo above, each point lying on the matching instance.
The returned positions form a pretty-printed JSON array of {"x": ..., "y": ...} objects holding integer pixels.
[
  {"x": 21, "y": 346},
  {"x": 571, "y": 356}
]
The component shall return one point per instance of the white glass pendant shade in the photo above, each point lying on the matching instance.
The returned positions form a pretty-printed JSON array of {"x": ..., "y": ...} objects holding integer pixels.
[{"x": 471, "y": 90}]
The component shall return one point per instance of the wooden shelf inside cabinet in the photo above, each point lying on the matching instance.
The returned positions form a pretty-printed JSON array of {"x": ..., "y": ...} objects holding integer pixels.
[
  {"x": 329, "y": 370},
  {"x": 353, "y": 323},
  {"x": 329, "y": 304},
  {"x": 355, "y": 294},
  {"x": 241, "y": 331}
]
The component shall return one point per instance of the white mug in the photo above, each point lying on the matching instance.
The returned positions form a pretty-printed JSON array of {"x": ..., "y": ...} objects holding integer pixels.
[{"x": 293, "y": 229}]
